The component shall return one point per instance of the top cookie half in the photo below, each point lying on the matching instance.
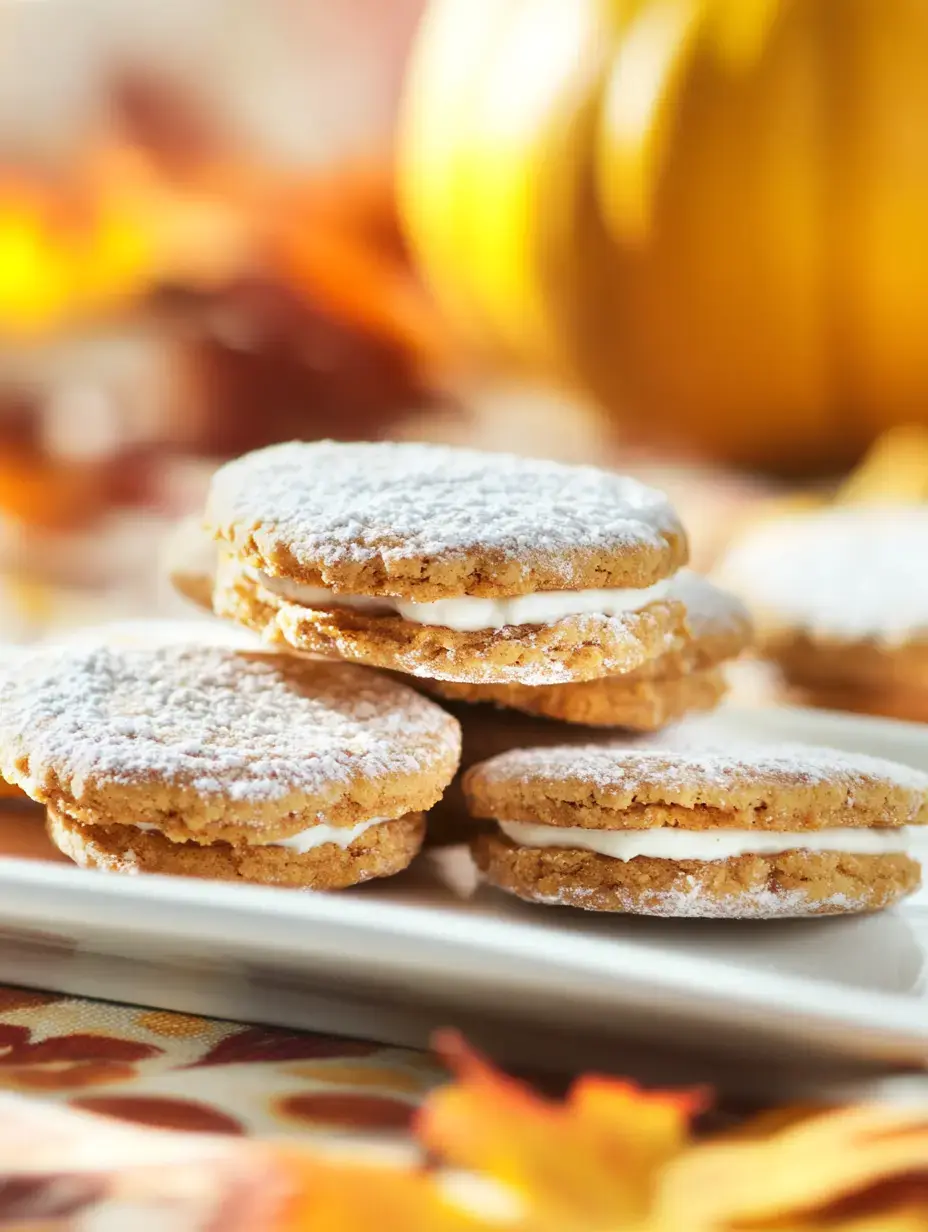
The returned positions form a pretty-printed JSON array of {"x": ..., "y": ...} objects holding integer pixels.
[{"x": 426, "y": 522}]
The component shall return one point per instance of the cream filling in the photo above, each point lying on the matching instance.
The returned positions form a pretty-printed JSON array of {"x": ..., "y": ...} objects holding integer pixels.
[
  {"x": 311, "y": 838},
  {"x": 467, "y": 613},
  {"x": 670, "y": 843}
]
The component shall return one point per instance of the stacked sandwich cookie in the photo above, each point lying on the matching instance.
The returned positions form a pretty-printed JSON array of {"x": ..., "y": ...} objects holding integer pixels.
[
  {"x": 448, "y": 564},
  {"x": 551, "y": 590},
  {"x": 213, "y": 762},
  {"x": 765, "y": 833}
]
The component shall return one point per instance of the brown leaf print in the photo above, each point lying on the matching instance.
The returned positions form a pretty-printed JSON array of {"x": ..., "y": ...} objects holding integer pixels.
[
  {"x": 159, "y": 1112},
  {"x": 67, "y": 1062},
  {"x": 338, "y": 1110},
  {"x": 264, "y": 1044},
  {"x": 72, "y": 1078}
]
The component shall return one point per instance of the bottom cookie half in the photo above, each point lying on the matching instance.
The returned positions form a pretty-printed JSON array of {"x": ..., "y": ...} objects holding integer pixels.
[
  {"x": 381, "y": 851},
  {"x": 793, "y": 883}
]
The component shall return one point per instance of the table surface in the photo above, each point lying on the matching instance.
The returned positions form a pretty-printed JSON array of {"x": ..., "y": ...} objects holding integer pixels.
[{"x": 179, "y": 1071}]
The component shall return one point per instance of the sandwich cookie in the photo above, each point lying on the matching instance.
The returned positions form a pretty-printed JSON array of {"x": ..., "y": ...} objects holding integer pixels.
[
  {"x": 841, "y": 602},
  {"x": 212, "y": 762},
  {"x": 686, "y": 679},
  {"x": 771, "y": 832},
  {"x": 447, "y": 563},
  {"x": 188, "y": 561}
]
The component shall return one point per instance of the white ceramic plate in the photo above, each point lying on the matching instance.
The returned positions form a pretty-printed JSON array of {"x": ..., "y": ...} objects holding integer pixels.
[{"x": 759, "y": 1005}]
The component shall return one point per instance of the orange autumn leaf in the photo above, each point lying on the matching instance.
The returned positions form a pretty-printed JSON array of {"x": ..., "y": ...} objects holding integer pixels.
[
  {"x": 613, "y": 1158},
  {"x": 854, "y": 1169},
  {"x": 593, "y": 1162},
  {"x": 328, "y": 1195}
]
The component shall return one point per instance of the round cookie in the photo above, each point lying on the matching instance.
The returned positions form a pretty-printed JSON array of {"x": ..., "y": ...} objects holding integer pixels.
[
  {"x": 385, "y": 848},
  {"x": 189, "y": 560},
  {"x": 764, "y": 833},
  {"x": 684, "y": 680},
  {"x": 841, "y": 602},
  {"x": 427, "y": 522},
  {"x": 207, "y": 745},
  {"x": 447, "y": 563}
]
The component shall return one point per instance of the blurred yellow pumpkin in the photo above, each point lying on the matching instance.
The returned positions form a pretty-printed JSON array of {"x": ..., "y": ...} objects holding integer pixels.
[{"x": 710, "y": 215}]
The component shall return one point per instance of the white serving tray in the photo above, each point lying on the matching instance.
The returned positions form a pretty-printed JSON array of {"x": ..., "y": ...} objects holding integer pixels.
[{"x": 764, "y": 1007}]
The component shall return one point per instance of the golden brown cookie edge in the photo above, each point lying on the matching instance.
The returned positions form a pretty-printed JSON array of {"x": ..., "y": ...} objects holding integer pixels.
[
  {"x": 805, "y": 883},
  {"x": 572, "y": 649},
  {"x": 381, "y": 851},
  {"x": 757, "y": 803}
]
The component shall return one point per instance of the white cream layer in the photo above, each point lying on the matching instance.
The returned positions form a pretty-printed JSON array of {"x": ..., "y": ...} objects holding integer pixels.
[
  {"x": 670, "y": 843},
  {"x": 313, "y": 837},
  {"x": 468, "y": 614}
]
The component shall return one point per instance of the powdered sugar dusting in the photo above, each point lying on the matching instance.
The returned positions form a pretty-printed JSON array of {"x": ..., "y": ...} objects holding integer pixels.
[
  {"x": 10, "y": 656},
  {"x": 332, "y": 503},
  {"x": 245, "y": 727},
  {"x": 692, "y": 903},
  {"x": 672, "y": 776},
  {"x": 852, "y": 572},
  {"x": 756, "y": 903}
]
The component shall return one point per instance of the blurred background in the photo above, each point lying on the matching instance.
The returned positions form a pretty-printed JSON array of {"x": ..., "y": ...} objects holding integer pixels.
[{"x": 683, "y": 237}]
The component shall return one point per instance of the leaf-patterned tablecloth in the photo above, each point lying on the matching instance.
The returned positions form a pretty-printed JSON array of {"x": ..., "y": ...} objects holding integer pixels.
[{"x": 177, "y": 1071}]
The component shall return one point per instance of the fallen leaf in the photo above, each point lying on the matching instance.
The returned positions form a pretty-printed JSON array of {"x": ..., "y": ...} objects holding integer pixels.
[
  {"x": 854, "y": 1169},
  {"x": 335, "y": 1196},
  {"x": 593, "y": 1162}
]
